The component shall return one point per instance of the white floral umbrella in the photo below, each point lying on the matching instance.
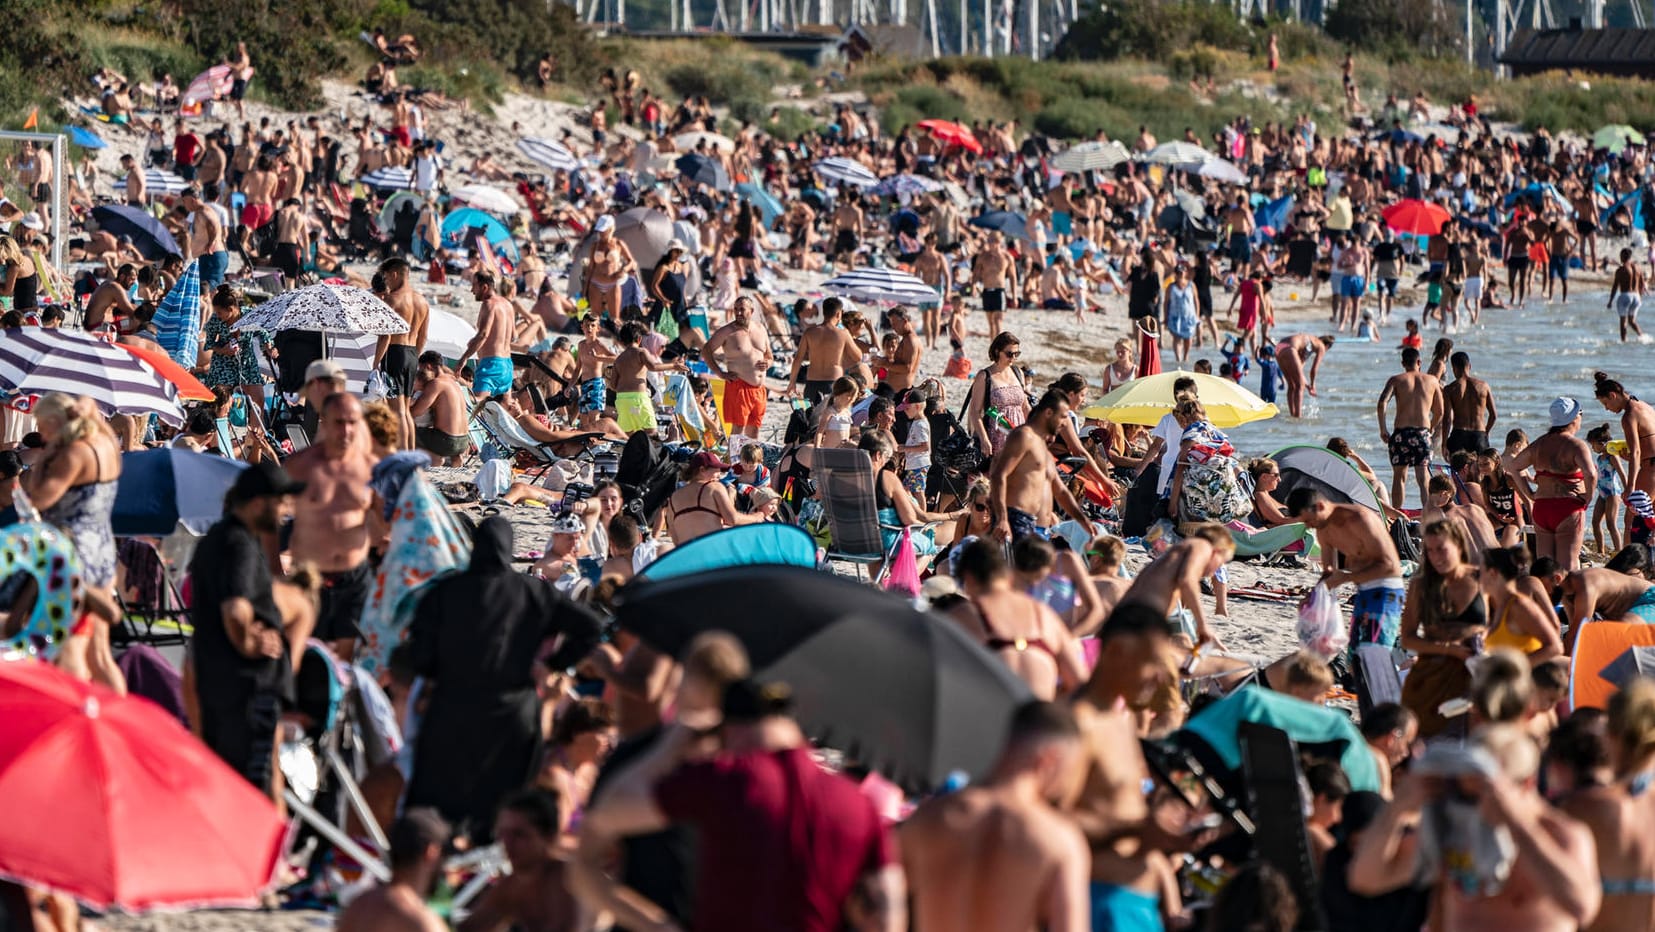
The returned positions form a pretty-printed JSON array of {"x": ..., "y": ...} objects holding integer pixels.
[
  {"x": 492, "y": 200},
  {"x": 687, "y": 142},
  {"x": 328, "y": 308}
]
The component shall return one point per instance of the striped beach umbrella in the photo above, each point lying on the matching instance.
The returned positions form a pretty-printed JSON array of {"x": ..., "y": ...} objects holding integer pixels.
[
  {"x": 548, "y": 154},
  {"x": 846, "y": 171},
  {"x": 897, "y": 185},
  {"x": 1091, "y": 156},
  {"x": 39, "y": 361},
  {"x": 881, "y": 284},
  {"x": 157, "y": 181},
  {"x": 178, "y": 318},
  {"x": 394, "y": 177}
]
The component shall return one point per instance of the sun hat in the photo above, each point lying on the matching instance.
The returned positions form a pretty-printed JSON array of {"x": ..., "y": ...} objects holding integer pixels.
[
  {"x": 606, "y": 223},
  {"x": 1564, "y": 411},
  {"x": 32, "y": 221}
]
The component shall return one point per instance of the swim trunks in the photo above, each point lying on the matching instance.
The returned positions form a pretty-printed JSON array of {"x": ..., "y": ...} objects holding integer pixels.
[
  {"x": 634, "y": 412},
  {"x": 1376, "y": 614},
  {"x": 257, "y": 215},
  {"x": 399, "y": 364},
  {"x": 1352, "y": 286},
  {"x": 1410, "y": 446},
  {"x": 818, "y": 389},
  {"x": 1627, "y": 304},
  {"x": 743, "y": 403},
  {"x": 594, "y": 393},
  {"x": 1119, "y": 909},
  {"x": 1470, "y": 441},
  {"x": 994, "y": 300},
  {"x": 493, "y": 376},
  {"x": 1024, "y": 524},
  {"x": 344, "y": 595},
  {"x": 1560, "y": 267},
  {"x": 435, "y": 441}
]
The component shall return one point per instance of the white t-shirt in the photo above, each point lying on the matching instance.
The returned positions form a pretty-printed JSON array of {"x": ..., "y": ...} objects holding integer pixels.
[
  {"x": 1169, "y": 431},
  {"x": 919, "y": 431},
  {"x": 425, "y": 172}
]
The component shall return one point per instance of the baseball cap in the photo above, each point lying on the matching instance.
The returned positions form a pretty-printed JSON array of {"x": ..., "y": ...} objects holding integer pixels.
[
  {"x": 1563, "y": 411},
  {"x": 707, "y": 459},
  {"x": 324, "y": 369},
  {"x": 605, "y": 223},
  {"x": 261, "y": 479}
]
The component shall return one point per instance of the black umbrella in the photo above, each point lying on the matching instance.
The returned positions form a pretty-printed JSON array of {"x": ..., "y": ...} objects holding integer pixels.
[
  {"x": 902, "y": 691},
  {"x": 703, "y": 170},
  {"x": 148, "y": 234}
]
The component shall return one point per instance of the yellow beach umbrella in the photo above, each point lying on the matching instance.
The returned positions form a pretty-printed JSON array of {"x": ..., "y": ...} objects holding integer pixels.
[{"x": 1147, "y": 400}]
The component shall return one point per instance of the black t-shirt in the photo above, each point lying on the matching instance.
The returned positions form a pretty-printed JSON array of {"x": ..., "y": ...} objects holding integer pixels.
[
  {"x": 1396, "y": 911},
  {"x": 229, "y": 563},
  {"x": 1143, "y": 294},
  {"x": 1387, "y": 252},
  {"x": 661, "y": 865}
]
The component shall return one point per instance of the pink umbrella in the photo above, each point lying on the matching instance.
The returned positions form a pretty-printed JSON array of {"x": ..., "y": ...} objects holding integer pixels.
[{"x": 211, "y": 84}]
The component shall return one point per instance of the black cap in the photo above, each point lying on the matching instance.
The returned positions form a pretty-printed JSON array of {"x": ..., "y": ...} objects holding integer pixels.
[{"x": 261, "y": 479}]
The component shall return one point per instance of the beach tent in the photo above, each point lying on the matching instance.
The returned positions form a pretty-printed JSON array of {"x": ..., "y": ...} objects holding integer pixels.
[
  {"x": 767, "y": 544},
  {"x": 1633, "y": 201},
  {"x": 1214, "y": 732},
  {"x": 1606, "y": 655},
  {"x": 396, "y": 203},
  {"x": 457, "y": 226},
  {"x": 1306, "y": 465}
]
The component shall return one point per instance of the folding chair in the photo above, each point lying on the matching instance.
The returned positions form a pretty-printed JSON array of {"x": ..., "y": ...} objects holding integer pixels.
[
  {"x": 152, "y": 608},
  {"x": 1270, "y": 761},
  {"x": 844, "y": 481},
  {"x": 510, "y": 437}
]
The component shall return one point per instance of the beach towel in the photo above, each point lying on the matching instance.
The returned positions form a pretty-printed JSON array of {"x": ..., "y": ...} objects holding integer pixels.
[
  {"x": 178, "y": 319},
  {"x": 427, "y": 543}
]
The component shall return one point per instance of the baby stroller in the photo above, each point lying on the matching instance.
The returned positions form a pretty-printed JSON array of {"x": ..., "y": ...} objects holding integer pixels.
[
  {"x": 648, "y": 473},
  {"x": 364, "y": 238}
]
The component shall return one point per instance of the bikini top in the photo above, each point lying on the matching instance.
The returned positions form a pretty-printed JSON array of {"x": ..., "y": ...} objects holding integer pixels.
[
  {"x": 680, "y": 512},
  {"x": 1020, "y": 645}
]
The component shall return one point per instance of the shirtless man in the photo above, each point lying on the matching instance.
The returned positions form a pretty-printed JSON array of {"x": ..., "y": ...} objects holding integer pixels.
[
  {"x": 745, "y": 348},
  {"x": 292, "y": 232},
  {"x": 1290, "y": 355},
  {"x": 1022, "y": 631},
  {"x": 259, "y": 187},
  {"x": 111, "y": 300},
  {"x": 1419, "y": 411},
  {"x": 417, "y": 841},
  {"x": 397, "y": 354},
  {"x": 1626, "y": 293},
  {"x": 608, "y": 263},
  {"x": 592, "y": 360},
  {"x": 1518, "y": 242},
  {"x": 848, "y": 225},
  {"x": 824, "y": 352},
  {"x": 535, "y": 896},
  {"x": 337, "y": 519},
  {"x": 443, "y": 399},
  {"x": 931, "y": 267},
  {"x": 1599, "y": 593},
  {"x": 1370, "y": 563},
  {"x": 1638, "y": 427},
  {"x": 136, "y": 190},
  {"x": 633, "y": 409},
  {"x": 800, "y": 224},
  {"x": 1055, "y": 293},
  {"x": 1002, "y": 856},
  {"x": 34, "y": 173},
  {"x": 1553, "y": 885},
  {"x": 903, "y": 365},
  {"x": 492, "y": 344},
  {"x": 1468, "y": 405},
  {"x": 993, "y": 272},
  {"x": 206, "y": 240},
  {"x": 1560, "y": 246},
  {"x": 1023, "y": 481},
  {"x": 210, "y": 170}
]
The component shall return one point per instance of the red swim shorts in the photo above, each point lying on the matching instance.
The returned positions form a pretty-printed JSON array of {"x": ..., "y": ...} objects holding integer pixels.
[
  {"x": 743, "y": 403},
  {"x": 257, "y": 215}
]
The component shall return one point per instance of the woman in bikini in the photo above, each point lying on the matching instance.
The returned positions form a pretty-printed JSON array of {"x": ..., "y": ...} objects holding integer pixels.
[
  {"x": 1519, "y": 621},
  {"x": 1023, "y": 632},
  {"x": 1565, "y": 476},
  {"x": 703, "y": 504},
  {"x": 606, "y": 267},
  {"x": 1618, "y": 807},
  {"x": 1443, "y": 621}
]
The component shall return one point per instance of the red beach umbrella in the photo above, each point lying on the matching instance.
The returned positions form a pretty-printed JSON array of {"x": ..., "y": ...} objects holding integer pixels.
[
  {"x": 109, "y": 800},
  {"x": 952, "y": 134},
  {"x": 1416, "y": 217}
]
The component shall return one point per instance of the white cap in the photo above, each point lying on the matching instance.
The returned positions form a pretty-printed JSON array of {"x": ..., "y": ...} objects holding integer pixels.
[
  {"x": 32, "y": 221},
  {"x": 1564, "y": 411},
  {"x": 606, "y": 223}
]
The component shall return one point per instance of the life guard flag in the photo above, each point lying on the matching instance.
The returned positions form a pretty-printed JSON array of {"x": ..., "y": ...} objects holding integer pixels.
[
  {"x": 1605, "y": 652},
  {"x": 33, "y": 120}
]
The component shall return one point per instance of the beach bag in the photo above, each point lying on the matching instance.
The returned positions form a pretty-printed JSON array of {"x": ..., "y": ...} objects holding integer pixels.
[
  {"x": 1321, "y": 624},
  {"x": 958, "y": 367},
  {"x": 493, "y": 480},
  {"x": 958, "y": 451},
  {"x": 904, "y": 573},
  {"x": 1214, "y": 491}
]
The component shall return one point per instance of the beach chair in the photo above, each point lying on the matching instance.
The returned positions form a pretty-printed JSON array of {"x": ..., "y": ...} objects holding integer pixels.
[
  {"x": 1377, "y": 681},
  {"x": 1270, "y": 761},
  {"x": 152, "y": 608},
  {"x": 844, "y": 481},
  {"x": 511, "y": 439},
  {"x": 1271, "y": 545}
]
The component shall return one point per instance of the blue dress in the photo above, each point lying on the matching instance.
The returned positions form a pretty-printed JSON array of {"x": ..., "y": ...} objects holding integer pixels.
[{"x": 1180, "y": 304}]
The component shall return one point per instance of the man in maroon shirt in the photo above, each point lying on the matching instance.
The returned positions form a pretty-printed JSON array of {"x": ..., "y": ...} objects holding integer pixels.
[
  {"x": 783, "y": 844},
  {"x": 186, "y": 151}
]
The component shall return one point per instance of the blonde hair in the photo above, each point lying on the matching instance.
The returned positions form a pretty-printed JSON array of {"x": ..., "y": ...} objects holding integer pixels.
[
  {"x": 718, "y": 658},
  {"x": 1306, "y": 668},
  {"x": 1511, "y": 747},
  {"x": 10, "y": 252},
  {"x": 77, "y": 414},
  {"x": 1213, "y": 533}
]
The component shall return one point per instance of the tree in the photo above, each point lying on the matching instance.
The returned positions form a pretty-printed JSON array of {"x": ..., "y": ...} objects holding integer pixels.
[{"x": 1403, "y": 26}]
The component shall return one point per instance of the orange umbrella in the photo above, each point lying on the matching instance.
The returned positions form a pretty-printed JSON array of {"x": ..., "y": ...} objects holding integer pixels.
[
  {"x": 952, "y": 133},
  {"x": 190, "y": 388},
  {"x": 1415, "y": 216}
]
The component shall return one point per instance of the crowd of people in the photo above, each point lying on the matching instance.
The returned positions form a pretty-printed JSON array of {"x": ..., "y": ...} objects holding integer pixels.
[{"x": 630, "y": 788}]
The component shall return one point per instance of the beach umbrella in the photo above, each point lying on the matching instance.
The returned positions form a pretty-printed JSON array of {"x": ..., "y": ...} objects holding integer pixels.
[
  {"x": 159, "y": 488},
  {"x": 149, "y": 235},
  {"x": 769, "y": 207},
  {"x": 328, "y": 308},
  {"x": 211, "y": 84},
  {"x": 840, "y": 170},
  {"x": 692, "y": 140},
  {"x": 157, "y": 182},
  {"x": 389, "y": 177},
  {"x": 157, "y": 819},
  {"x": 1006, "y": 222},
  {"x": 447, "y": 332},
  {"x": 1606, "y": 655},
  {"x": 493, "y": 200},
  {"x": 1177, "y": 153},
  {"x": 1147, "y": 400},
  {"x": 896, "y": 185},
  {"x": 1222, "y": 170},
  {"x": 85, "y": 138},
  {"x": 1616, "y": 137},
  {"x": 767, "y": 544},
  {"x": 40, "y": 360},
  {"x": 704, "y": 171},
  {"x": 1633, "y": 663},
  {"x": 548, "y": 154},
  {"x": 905, "y": 692},
  {"x": 189, "y": 387},
  {"x": 178, "y": 318},
  {"x": 1091, "y": 156},
  {"x": 646, "y": 232},
  {"x": 1415, "y": 216},
  {"x": 951, "y": 133},
  {"x": 879, "y": 284}
]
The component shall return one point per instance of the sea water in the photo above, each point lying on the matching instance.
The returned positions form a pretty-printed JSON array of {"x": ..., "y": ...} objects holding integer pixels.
[{"x": 1528, "y": 356}]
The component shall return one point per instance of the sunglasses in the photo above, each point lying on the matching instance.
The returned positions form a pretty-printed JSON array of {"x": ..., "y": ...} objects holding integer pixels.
[
  {"x": 1012, "y": 354},
  {"x": 980, "y": 507}
]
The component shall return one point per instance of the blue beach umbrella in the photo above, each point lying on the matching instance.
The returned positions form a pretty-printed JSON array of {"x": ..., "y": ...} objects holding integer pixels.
[
  {"x": 159, "y": 488},
  {"x": 149, "y": 235},
  {"x": 768, "y": 206},
  {"x": 766, "y": 544},
  {"x": 1008, "y": 222}
]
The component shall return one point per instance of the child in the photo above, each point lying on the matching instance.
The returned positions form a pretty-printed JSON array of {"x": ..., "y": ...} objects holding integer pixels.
[
  {"x": 916, "y": 451},
  {"x": 836, "y": 420},
  {"x": 749, "y": 470},
  {"x": 1237, "y": 360},
  {"x": 1642, "y": 526},
  {"x": 1412, "y": 337},
  {"x": 1611, "y": 483},
  {"x": 958, "y": 367},
  {"x": 1269, "y": 372},
  {"x": 1367, "y": 329}
]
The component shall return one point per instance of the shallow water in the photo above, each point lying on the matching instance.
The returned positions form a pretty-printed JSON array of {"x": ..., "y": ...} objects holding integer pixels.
[{"x": 1528, "y": 356}]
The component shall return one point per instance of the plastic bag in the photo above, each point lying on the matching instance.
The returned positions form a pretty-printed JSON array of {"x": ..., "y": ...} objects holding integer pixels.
[
  {"x": 904, "y": 574},
  {"x": 1321, "y": 623}
]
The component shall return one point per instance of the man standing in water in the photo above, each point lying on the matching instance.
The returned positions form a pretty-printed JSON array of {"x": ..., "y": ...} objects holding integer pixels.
[
  {"x": 1002, "y": 855},
  {"x": 1419, "y": 411},
  {"x": 1469, "y": 404},
  {"x": 397, "y": 354},
  {"x": 1626, "y": 293},
  {"x": 336, "y": 520},
  {"x": 1371, "y": 563}
]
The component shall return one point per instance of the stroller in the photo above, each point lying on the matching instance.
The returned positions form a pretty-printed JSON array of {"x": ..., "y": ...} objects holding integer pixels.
[
  {"x": 364, "y": 238},
  {"x": 648, "y": 473}
]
